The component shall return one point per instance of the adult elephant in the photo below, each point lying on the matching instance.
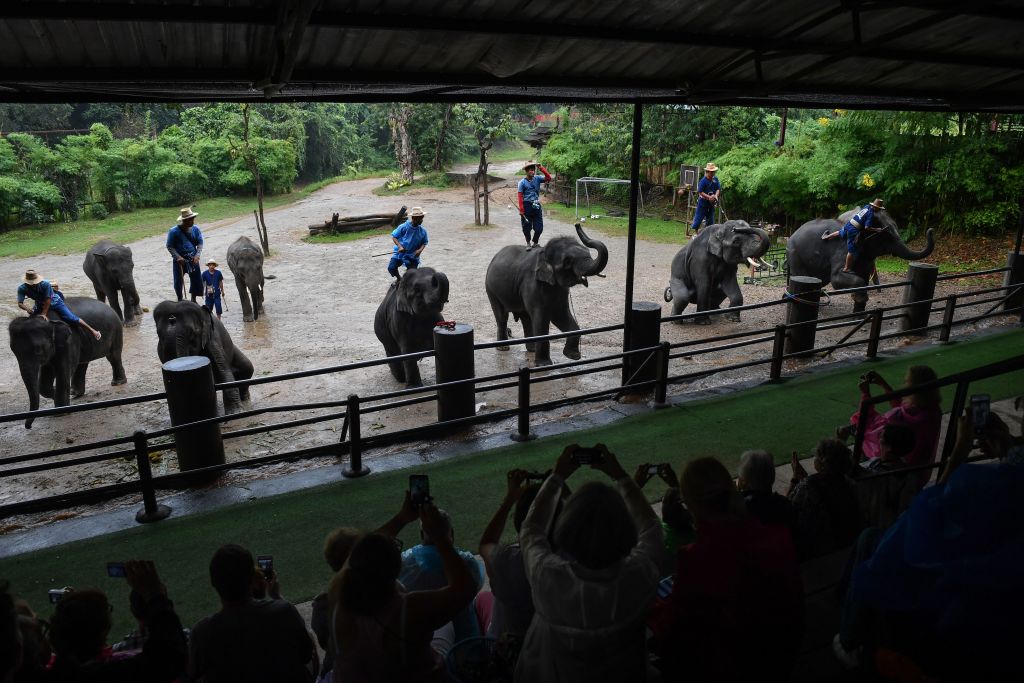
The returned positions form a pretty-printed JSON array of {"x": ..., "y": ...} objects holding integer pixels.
[
  {"x": 533, "y": 285},
  {"x": 704, "y": 271},
  {"x": 109, "y": 266},
  {"x": 245, "y": 259},
  {"x": 53, "y": 356},
  {"x": 405, "y": 318},
  {"x": 809, "y": 255},
  {"x": 185, "y": 328}
]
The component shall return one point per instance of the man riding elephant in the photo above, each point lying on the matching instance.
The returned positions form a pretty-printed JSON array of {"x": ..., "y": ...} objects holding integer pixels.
[
  {"x": 862, "y": 220},
  {"x": 185, "y": 244},
  {"x": 41, "y": 292}
]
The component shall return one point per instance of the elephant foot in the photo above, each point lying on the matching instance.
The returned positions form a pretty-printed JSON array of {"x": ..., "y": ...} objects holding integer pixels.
[
  {"x": 77, "y": 393},
  {"x": 573, "y": 354},
  {"x": 413, "y": 385},
  {"x": 398, "y": 374},
  {"x": 46, "y": 393},
  {"x": 118, "y": 381},
  {"x": 702, "y": 321},
  {"x": 732, "y": 317},
  {"x": 531, "y": 348},
  {"x": 542, "y": 361},
  {"x": 243, "y": 394},
  {"x": 503, "y": 348},
  {"x": 247, "y": 318},
  {"x": 134, "y": 322}
]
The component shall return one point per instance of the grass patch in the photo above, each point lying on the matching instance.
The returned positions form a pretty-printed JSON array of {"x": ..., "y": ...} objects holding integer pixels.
[
  {"x": 435, "y": 179},
  {"x": 505, "y": 150},
  {"x": 650, "y": 229},
  {"x": 347, "y": 236},
  {"x": 122, "y": 227}
]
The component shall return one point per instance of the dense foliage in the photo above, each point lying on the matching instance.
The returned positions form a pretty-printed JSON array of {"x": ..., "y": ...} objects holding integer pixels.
[{"x": 957, "y": 172}]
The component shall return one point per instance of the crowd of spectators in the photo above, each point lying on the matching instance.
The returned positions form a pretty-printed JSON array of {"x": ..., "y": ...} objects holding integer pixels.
[{"x": 596, "y": 586}]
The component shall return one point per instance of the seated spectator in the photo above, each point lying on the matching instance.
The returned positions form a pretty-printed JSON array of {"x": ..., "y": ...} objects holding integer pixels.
[
  {"x": 383, "y": 633},
  {"x": 826, "y": 508},
  {"x": 736, "y": 608},
  {"x": 755, "y": 481},
  {"x": 513, "y": 600},
  {"x": 921, "y": 412},
  {"x": 943, "y": 584},
  {"x": 36, "y": 650},
  {"x": 676, "y": 521},
  {"x": 884, "y": 498},
  {"x": 251, "y": 638},
  {"x": 11, "y": 643},
  {"x": 423, "y": 569},
  {"x": 593, "y": 586},
  {"x": 336, "y": 549}
]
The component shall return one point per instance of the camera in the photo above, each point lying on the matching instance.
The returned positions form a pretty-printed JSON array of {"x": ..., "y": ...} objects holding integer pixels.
[
  {"x": 116, "y": 570},
  {"x": 587, "y": 456},
  {"x": 652, "y": 470},
  {"x": 419, "y": 489},
  {"x": 980, "y": 405},
  {"x": 57, "y": 594},
  {"x": 266, "y": 565}
]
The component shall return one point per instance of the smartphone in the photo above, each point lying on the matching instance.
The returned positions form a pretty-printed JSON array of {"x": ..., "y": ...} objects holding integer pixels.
[
  {"x": 419, "y": 489},
  {"x": 587, "y": 456},
  {"x": 56, "y": 595},
  {"x": 980, "y": 404},
  {"x": 266, "y": 565},
  {"x": 116, "y": 570},
  {"x": 652, "y": 470}
]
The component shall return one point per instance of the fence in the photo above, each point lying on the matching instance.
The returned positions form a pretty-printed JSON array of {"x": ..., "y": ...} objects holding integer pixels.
[{"x": 645, "y": 368}]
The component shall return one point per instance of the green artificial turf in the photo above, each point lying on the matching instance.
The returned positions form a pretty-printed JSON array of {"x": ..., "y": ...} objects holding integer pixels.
[{"x": 782, "y": 417}]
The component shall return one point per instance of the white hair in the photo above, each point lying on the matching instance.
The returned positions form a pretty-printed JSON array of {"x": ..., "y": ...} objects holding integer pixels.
[{"x": 757, "y": 469}]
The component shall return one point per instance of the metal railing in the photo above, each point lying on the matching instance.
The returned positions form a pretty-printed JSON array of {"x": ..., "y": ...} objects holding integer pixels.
[{"x": 353, "y": 443}]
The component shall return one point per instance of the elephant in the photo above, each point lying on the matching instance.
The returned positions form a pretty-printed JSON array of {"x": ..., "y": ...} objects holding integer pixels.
[
  {"x": 53, "y": 356},
  {"x": 185, "y": 328},
  {"x": 532, "y": 283},
  {"x": 809, "y": 255},
  {"x": 405, "y": 318},
  {"x": 704, "y": 271},
  {"x": 245, "y": 259},
  {"x": 109, "y": 266}
]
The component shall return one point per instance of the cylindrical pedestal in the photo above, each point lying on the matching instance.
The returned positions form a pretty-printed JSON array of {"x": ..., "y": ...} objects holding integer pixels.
[
  {"x": 188, "y": 382},
  {"x": 1014, "y": 276},
  {"x": 453, "y": 355},
  {"x": 804, "y": 294},
  {"x": 920, "y": 287},
  {"x": 644, "y": 332}
]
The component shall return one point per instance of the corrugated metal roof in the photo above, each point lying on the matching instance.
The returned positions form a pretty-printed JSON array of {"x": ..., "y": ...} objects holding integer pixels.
[{"x": 872, "y": 53}]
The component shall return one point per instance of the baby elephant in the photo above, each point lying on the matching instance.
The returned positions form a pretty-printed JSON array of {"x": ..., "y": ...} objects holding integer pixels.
[
  {"x": 405, "y": 318},
  {"x": 245, "y": 259}
]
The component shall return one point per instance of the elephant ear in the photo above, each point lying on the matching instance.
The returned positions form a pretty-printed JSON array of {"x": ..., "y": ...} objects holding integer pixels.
[
  {"x": 402, "y": 295},
  {"x": 716, "y": 240},
  {"x": 60, "y": 334},
  {"x": 100, "y": 257},
  {"x": 207, "y": 327},
  {"x": 545, "y": 272},
  {"x": 163, "y": 311}
]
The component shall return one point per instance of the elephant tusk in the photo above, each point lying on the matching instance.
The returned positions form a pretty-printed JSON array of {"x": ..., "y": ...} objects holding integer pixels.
[{"x": 752, "y": 262}]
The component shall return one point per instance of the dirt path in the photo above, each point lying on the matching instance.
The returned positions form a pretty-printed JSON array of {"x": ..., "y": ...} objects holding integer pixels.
[{"x": 320, "y": 310}]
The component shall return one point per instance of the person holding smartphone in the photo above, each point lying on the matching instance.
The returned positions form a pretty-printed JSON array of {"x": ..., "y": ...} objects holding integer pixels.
[{"x": 594, "y": 578}]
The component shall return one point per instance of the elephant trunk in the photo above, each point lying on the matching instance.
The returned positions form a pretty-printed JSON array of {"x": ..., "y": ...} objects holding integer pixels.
[
  {"x": 901, "y": 249},
  {"x": 591, "y": 266},
  {"x": 763, "y": 244},
  {"x": 440, "y": 291},
  {"x": 254, "y": 294},
  {"x": 30, "y": 375},
  {"x": 181, "y": 346},
  {"x": 131, "y": 294}
]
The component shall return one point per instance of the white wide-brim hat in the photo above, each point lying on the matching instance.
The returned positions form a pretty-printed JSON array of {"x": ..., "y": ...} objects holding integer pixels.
[
  {"x": 416, "y": 211},
  {"x": 186, "y": 214}
]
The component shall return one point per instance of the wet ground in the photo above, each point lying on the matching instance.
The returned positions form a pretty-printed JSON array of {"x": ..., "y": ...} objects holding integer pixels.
[{"x": 319, "y": 312}]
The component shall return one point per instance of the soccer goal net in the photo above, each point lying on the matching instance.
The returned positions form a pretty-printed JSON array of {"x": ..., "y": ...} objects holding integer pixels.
[{"x": 598, "y": 196}]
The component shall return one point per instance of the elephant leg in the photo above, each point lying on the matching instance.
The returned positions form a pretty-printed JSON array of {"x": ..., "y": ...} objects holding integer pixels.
[
  {"x": 731, "y": 288},
  {"x": 703, "y": 304},
  {"x": 243, "y": 298},
  {"x": 62, "y": 387},
  {"x": 412, "y": 373},
  {"x": 527, "y": 322},
  {"x": 391, "y": 349},
  {"x": 501, "y": 318},
  {"x": 860, "y": 302},
  {"x": 539, "y": 327},
  {"x": 681, "y": 296},
  {"x": 222, "y": 373},
  {"x": 99, "y": 292},
  {"x": 563, "y": 320},
  {"x": 129, "y": 310},
  {"x": 78, "y": 380},
  {"x": 112, "y": 299},
  {"x": 242, "y": 369},
  {"x": 46, "y": 381}
]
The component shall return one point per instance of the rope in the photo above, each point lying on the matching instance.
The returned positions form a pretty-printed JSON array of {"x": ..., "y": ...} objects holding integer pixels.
[
  {"x": 446, "y": 324},
  {"x": 807, "y": 302}
]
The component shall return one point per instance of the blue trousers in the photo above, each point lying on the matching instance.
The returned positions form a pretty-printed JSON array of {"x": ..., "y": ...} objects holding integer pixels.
[
  {"x": 195, "y": 278},
  {"x": 849, "y": 233},
  {"x": 213, "y": 302},
  {"x": 532, "y": 219},
  {"x": 704, "y": 212},
  {"x": 402, "y": 259},
  {"x": 61, "y": 309}
]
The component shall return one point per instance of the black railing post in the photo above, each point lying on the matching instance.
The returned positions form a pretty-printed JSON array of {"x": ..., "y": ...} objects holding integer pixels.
[
  {"x": 778, "y": 349},
  {"x": 947, "y": 318},
  {"x": 1014, "y": 277},
  {"x": 956, "y": 410},
  {"x": 355, "y": 444},
  {"x": 876, "y": 331},
  {"x": 522, "y": 432},
  {"x": 661, "y": 388},
  {"x": 151, "y": 510}
]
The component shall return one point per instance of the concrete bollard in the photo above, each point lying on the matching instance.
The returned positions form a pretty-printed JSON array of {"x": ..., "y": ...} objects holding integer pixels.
[
  {"x": 644, "y": 332},
  {"x": 1014, "y": 276},
  {"x": 453, "y": 355},
  {"x": 921, "y": 278},
  {"x": 804, "y": 294},
  {"x": 188, "y": 382}
]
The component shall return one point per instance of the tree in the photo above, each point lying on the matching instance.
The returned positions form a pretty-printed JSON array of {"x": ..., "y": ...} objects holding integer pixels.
[
  {"x": 398, "y": 121},
  {"x": 245, "y": 150},
  {"x": 488, "y": 123}
]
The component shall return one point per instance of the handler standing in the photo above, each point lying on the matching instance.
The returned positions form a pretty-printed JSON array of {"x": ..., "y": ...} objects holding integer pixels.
[
  {"x": 709, "y": 191},
  {"x": 530, "y": 214},
  {"x": 410, "y": 240},
  {"x": 185, "y": 244},
  {"x": 213, "y": 280}
]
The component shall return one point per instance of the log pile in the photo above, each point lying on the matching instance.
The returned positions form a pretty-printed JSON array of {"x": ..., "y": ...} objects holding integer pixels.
[{"x": 370, "y": 221}]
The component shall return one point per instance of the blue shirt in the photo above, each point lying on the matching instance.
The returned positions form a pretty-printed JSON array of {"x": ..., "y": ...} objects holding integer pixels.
[
  {"x": 410, "y": 236},
  {"x": 185, "y": 244},
  {"x": 707, "y": 187},
  {"x": 530, "y": 188},
  {"x": 39, "y": 292},
  {"x": 213, "y": 281},
  {"x": 423, "y": 569},
  {"x": 864, "y": 218}
]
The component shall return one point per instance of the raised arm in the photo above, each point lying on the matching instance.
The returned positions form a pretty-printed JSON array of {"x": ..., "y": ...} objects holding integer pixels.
[
  {"x": 547, "y": 176},
  {"x": 406, "y": 514},
  {"x": 427, "y": 611},
  {"x": 651, "y": 541},
  {"x": 492, "y": 534}
]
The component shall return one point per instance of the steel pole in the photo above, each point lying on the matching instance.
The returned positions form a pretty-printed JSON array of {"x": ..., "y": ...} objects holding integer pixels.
[{"x": 634, "y": 193}]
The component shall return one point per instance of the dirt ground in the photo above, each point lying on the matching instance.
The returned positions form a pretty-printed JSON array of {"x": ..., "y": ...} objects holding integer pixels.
[{"x": 319, "y": 312}]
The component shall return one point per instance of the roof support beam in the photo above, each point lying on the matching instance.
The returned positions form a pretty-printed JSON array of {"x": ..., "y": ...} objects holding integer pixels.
[{"x": 292, "y": 21}]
